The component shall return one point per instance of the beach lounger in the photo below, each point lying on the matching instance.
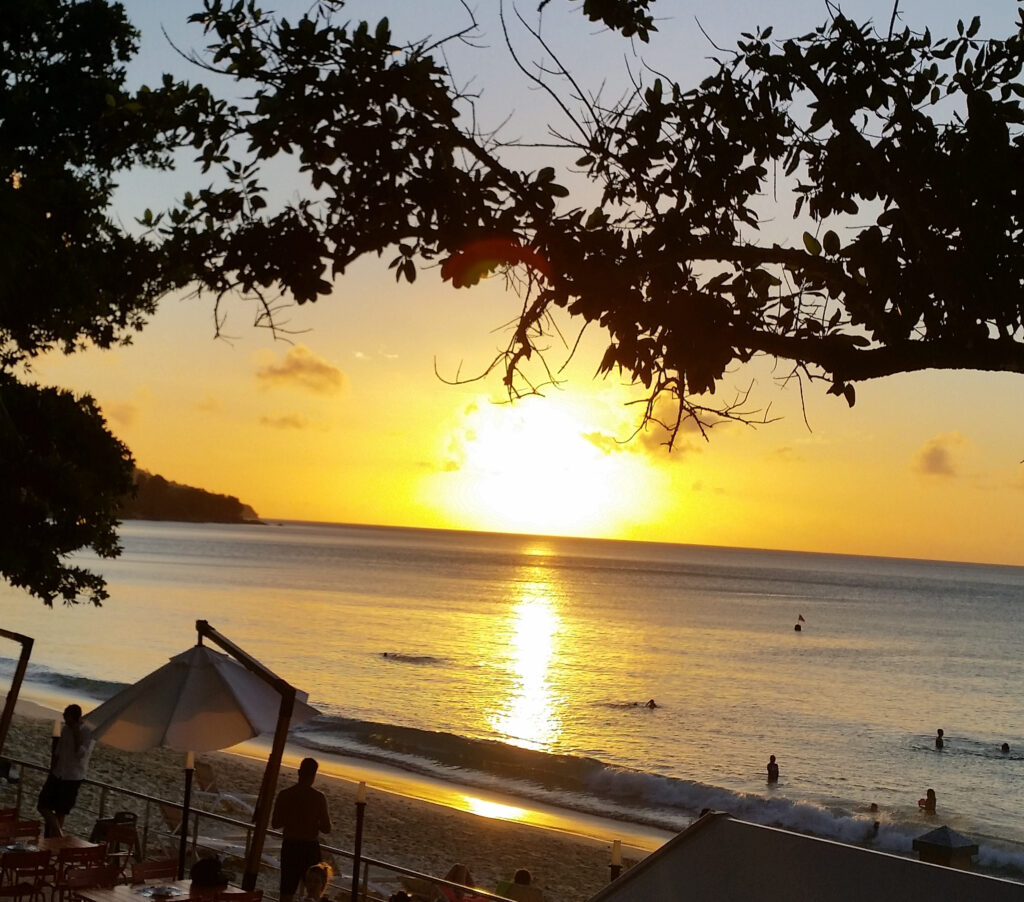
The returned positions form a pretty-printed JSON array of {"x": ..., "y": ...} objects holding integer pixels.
[{"x": 210, "y": 797}]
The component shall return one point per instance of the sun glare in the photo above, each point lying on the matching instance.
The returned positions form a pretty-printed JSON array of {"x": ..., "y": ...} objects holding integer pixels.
[
  {"x": 529, "y": 717},
  {"x": 540, "y": 466}
]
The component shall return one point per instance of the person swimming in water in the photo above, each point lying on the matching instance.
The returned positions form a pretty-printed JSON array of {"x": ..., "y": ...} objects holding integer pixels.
[
  {"x": 651, "y": 703},
  {"x": 773, "y": 770},
  {"x": 1005, "y": 748},
  {"x": 938, "y": 739},
  {"x": 927, "y": 804}
]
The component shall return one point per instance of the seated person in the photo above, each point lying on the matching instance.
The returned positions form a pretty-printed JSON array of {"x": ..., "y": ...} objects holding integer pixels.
[
  {"x": 208, "y": 878},
  {"x": 521, "y": 888},
  {"x": 315, "y": 882},
  {"x": 457, "y": 873}
]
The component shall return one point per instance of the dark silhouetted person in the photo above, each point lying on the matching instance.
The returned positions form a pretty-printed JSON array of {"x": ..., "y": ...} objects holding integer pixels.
[
  {"x": 67, "y": 771},
  {"x": 938, "y": 739},
  {"x": 651, "y": 703},
  {"x": 927, "y": 804},
  {"x": 209, "y": 879},
  {"x": 521, "y": 888},
  {"x": 457, "y": 873},
  {"x": 300, "y": 813},
  {"x": 773, "y": 770},
  {"x": 1005, "y": 748}
]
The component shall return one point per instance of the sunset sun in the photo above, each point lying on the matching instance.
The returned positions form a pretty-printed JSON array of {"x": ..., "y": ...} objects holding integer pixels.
[{"x": 542, "y": 466}]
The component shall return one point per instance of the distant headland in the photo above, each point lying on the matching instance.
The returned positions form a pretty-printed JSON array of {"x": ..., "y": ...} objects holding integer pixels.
[{"x": 157, "y": 498}]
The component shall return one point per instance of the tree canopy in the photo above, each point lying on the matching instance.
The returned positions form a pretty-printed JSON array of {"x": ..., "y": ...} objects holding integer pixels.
[{"x": 901, "y": 153}]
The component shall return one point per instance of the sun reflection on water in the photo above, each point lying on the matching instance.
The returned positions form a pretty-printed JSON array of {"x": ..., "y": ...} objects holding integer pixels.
[
  {"x": 529, "y": 715},
  {"x": 493, "y": 809}
]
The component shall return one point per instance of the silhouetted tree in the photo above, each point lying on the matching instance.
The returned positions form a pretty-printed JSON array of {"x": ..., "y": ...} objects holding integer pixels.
[
  {"x": 70, "y": 275},
  {"x": 903, "y": 156}
]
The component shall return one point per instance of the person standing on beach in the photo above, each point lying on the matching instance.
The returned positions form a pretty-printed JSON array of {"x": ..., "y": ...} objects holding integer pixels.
[
  {"x": 67, "y": 771},
  {"x": 773, "y": 770},
  {"x": 300, "y": 813}
]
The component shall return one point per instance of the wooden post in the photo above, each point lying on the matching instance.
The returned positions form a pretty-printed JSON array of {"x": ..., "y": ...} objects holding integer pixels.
[
  {"x": 186, "y": 807},
  {"x": 265, "y": 802},
  {"x": 357, "y": 850},
  {"x": 16, "y": 680}
]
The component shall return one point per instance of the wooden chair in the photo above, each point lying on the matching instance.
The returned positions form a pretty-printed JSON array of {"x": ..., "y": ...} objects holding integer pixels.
[
  {"x": 118, "y": 835},
  {"x": 13, "y": 829},
  {"x": 104, "y": 876},
  {"x": 155, "y": 869},
  {"x": 24, "y": 875},
  {"x": 73, "y": 859}
]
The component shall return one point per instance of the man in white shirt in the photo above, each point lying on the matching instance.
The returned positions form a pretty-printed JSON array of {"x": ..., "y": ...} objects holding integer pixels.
[{"x": 70, "y": 762}]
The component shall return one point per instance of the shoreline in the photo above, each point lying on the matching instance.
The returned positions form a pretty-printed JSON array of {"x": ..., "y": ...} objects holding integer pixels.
[
  {"x": 489, "y": 803},
  {"x": 414, "y": 833}
]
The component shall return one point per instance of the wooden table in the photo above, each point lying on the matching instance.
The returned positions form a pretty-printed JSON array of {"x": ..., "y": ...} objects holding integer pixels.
[
  {"x": 54, "y": 844},
  {"x": 125, "y": 893}
]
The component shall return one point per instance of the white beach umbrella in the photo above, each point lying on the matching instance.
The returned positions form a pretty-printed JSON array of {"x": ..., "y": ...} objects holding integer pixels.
[{"x": 199, "y": 701}]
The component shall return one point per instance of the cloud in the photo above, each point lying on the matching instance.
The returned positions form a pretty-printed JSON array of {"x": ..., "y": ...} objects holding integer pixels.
[
  {"x": 379, "y": 354},
  {"x": 939, "y": 456},
  {"x": 786, "y": 454},
  {"x": 209, "y": 404},
  {"x": 123, "y": 412},
  {"x": 303, "y": 369},
  {"x": 455, "y": 457},
  {"x": 289, "y": 421},
  {"x": 607, "y": 444},
  {"x": 127, "y": 413}
]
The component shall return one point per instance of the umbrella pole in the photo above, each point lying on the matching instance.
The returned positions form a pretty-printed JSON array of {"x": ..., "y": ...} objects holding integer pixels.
[
  {"x": 186, "y": 810},
  {"x": 265, "y": 802},
  {"x": 19, "y": 675}
]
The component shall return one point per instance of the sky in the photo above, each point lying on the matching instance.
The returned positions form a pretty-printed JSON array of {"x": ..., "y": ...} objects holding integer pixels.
[{"x": 354, "y": 417}]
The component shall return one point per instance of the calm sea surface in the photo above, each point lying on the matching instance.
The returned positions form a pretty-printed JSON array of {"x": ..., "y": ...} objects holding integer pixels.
[{"x": 524, "y": 663}]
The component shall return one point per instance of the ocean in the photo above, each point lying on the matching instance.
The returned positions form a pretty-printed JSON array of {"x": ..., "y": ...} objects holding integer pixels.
[{"x": 522, "y": 665}]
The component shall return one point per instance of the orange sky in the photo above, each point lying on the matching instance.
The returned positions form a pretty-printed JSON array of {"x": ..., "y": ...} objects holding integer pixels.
[{"x": 349, "y": 423}]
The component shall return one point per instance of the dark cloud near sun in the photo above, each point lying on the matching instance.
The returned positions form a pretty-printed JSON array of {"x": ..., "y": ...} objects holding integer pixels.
[
  {"x": 288, "y": 421},
  {"x": 301, "y": 368},
  {"x": 939, "y": 456}
]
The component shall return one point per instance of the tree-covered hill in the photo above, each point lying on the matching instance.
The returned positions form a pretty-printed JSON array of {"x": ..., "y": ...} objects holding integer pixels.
[{"x": 156, "y": 498}]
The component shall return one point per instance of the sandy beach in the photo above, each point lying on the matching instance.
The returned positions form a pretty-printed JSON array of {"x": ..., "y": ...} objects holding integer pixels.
[{"x": 411, "y": 833}]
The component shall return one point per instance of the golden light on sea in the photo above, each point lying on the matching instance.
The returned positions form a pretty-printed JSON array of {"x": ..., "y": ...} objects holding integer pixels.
[
  {"x": 493, "y": 809},
  {"x": 529, "y": 715}
]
